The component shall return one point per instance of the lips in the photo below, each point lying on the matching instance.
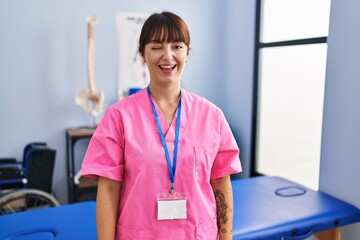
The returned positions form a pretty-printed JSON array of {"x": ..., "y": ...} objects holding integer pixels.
[{"x": 167, "y": 68}]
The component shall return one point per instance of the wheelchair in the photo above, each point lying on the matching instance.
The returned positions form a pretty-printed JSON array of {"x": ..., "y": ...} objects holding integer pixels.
[{"x": 27, "y": 185}]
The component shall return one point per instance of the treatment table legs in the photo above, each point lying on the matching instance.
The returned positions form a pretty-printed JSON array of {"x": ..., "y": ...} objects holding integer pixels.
[{"x": 331, "y": 234}]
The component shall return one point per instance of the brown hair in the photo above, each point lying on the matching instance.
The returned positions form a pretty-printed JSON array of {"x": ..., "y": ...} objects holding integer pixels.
[{"x": 164, "y": 27}]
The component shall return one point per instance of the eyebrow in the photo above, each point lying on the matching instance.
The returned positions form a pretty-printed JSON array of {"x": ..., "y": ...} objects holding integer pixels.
[
  {"x": 161, "y": 42},
  {"x": 155, "y": 41}
]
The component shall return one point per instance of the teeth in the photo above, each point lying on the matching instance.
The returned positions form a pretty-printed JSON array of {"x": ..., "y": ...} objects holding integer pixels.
[{"x": 167, "y": 67}]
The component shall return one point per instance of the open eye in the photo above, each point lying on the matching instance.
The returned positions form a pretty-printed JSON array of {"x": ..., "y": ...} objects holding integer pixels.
[{"x": 178, "y": 45}]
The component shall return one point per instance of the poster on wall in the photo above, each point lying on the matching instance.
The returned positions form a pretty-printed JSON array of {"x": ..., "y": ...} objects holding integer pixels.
[{"x": 132, "y": 72}]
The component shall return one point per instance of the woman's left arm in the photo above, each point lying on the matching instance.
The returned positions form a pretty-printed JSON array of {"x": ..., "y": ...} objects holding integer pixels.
[{"x": 224, "y": 206}]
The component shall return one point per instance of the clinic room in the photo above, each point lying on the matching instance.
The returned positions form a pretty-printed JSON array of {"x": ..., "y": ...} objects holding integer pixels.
[{"x": 180, "y": 120}]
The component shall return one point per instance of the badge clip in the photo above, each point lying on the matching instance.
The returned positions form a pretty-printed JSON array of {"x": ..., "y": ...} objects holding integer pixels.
[{"x": 172, "y": 189}]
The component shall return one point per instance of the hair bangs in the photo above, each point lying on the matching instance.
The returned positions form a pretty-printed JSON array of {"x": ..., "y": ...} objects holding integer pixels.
[
  {"x": 163, "y": 27},
  {"x": 168, "y": 31}
]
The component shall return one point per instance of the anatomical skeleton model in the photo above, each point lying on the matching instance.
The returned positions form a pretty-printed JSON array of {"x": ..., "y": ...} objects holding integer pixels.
[{"x": 91, "y": 99}]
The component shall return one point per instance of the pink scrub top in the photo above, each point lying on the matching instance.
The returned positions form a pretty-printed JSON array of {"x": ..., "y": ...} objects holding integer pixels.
[{"x": 126, "y": 147}]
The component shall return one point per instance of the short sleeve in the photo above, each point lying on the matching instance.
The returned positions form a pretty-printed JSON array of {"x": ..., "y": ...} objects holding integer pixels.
[
  {"x": 104, "y": 156},
  {"x": 227, "y": 160}
]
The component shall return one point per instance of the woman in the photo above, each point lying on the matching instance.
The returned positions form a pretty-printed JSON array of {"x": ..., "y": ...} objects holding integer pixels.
[{"x": 163, "y": 156}]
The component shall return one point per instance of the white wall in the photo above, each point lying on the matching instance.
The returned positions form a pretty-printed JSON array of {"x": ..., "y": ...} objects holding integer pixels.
[{"x": 340, "y": 153}]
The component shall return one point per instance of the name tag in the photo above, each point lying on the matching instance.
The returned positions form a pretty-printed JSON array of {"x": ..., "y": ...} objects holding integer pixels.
[{"x": 171, "y": 206}]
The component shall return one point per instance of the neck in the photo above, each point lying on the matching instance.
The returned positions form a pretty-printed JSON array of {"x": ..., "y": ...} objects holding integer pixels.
[
  {"x": 168, "y": 94},
  {"x": 167, "y": 98}
]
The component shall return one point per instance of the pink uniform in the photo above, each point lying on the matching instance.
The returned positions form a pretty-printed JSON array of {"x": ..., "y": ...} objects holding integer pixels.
[{"x": 126, "y": 147}]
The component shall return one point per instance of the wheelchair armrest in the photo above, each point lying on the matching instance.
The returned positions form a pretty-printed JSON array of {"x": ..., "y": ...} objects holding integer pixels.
[{"x": 9, "y": 161}]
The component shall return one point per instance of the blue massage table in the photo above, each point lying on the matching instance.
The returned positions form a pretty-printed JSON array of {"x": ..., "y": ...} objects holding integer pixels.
[
  {"x": 267, "y": 208},
  {"x": 67, "y": 222},
  {"x": 264, "y": 208}
]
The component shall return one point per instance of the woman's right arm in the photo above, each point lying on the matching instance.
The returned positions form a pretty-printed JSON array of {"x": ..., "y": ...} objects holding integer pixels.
[{"x": 107, "y": 203}]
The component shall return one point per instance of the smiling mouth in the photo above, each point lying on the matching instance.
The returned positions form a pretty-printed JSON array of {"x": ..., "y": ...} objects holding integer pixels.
[{"x": 167, "y": 68}]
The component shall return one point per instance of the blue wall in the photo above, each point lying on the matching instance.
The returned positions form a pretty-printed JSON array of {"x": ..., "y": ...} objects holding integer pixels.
[
  {"x": 237, "y": 88},
  {"x": 43, "y": 66},
  {"x": 340, "y": 152}
]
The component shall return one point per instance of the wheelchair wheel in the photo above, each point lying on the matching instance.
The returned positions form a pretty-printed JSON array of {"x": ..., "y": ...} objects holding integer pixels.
[{"x": 25, "y": 199}]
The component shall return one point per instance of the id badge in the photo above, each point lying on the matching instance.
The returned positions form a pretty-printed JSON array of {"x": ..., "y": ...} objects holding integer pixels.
[{"x": 171, "y": 206}]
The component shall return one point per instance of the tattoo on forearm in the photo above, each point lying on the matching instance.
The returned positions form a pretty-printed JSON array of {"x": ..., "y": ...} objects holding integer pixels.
[{"x": 221, "y": 207}]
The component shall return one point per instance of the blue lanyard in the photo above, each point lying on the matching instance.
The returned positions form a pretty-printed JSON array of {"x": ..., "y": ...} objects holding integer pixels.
[{"x": 172, "y": 168}]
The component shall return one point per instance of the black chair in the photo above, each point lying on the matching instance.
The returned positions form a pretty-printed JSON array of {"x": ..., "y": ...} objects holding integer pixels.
[
  {"x": 38, "y": 166},
  {"x": 11, "y": 173},
  {"x": 34, "y": 171},
  {"x": 28, "y": 184}
]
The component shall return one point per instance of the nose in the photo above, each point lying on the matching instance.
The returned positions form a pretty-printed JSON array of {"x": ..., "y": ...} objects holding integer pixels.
[{"x": 168, "y": 53}]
